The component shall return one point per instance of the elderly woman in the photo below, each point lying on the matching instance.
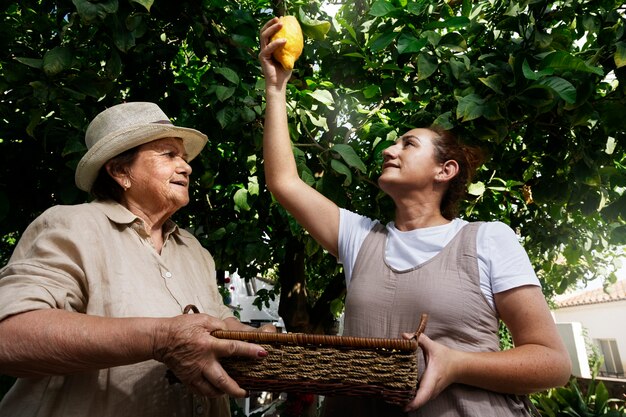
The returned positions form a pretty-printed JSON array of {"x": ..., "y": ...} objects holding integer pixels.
[
  {"x": 92, "y": 298},
  {"x": 466, "y": 275}
]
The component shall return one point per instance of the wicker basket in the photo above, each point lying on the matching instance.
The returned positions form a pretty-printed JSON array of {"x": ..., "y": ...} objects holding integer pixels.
[{"x": 328, "y": 365}]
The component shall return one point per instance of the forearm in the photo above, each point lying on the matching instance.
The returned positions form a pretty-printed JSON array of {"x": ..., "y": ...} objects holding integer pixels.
[
  {"x": 278, "y": 158},
  {"x": 521, "y": 370},
  {"x": 52, "y": 342}
]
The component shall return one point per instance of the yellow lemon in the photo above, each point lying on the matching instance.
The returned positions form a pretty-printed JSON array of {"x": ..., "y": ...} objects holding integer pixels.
[{"x": 289, "y": 53}]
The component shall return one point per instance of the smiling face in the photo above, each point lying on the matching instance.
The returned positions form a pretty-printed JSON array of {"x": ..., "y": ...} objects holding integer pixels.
[
  {"x": 159, "y": 178},
  {"x": 409, "y": 164}
]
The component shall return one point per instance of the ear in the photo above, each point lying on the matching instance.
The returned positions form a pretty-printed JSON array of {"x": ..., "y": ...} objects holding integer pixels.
[
  {"x": 448, "y": 170},
  {"x": 120, "y": 177}
]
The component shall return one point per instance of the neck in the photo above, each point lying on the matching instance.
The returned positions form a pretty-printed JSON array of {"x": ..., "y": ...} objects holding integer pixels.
[
  {"x": 153, "y": 223},
  {"x": 418, "y": 217}
]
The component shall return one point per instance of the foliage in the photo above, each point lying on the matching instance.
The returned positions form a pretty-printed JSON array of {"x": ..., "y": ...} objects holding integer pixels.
[
  {"x": 570, "y": 401},
  {"x": 539, "y": 85}
]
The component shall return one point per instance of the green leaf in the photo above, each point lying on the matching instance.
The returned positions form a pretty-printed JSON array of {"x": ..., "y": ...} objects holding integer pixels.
[
  {"x": 382, "y": 41},
  {"x": 453, "y": 22},
  {"x": 342, "y": 169},
  {"x": 381, "y": 8},
  {"x": 145, "y": 3},
  {"x": 562, "y": 87},
  {"x": 494, "y": 82},
  {"x": 470, "y": 107},
  {"x": 318, "y": 120},
  {"x": 226, "y": 117},
  {"x": 418, "y": 7},
  {"x": 408, "y": 43},
  {"x": 564, "y": 61},
  {"x": 323, "y": 96},
  {"x": 602, "y": 398},
  {"x": 349, "y": 155},
  {"x": 229, "y": 74},
  {"x": 477, "y": 189},
  {"x": 620, "y": 54},
  {"x": 123, "y": 38},
  {"x": 224, "y": 93},
  {"x": 454, "y": 41},
  {"x": 529, "y": 74},
  {"x": 426, "y": 66},
  {"x": 247, "y": 114},
  {"x": 241, "y": 199},
  {"x": 539, "y": 97},
  {"x": 314, "y": 29},
  {"x": 114, "y": 65},
  {"x": 89, "y": 11},
  {"x": 31, "y": 62},
  {"x": 371, "y": 91},
  {"x": 57, "y": 60},
  {"x": 610, "y": 145}
]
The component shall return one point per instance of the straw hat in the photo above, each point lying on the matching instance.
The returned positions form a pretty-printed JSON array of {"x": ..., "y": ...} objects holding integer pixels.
[{"x": 122, "y": 127}]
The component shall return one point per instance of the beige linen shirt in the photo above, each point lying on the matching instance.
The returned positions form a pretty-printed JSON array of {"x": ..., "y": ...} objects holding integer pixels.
[{"x": 97, "y": 259}]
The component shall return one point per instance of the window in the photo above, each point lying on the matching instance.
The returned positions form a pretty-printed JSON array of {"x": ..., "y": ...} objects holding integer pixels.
[{"x": 612, "y": 365}]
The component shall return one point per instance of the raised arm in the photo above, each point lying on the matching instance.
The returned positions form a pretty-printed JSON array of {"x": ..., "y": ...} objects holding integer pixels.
[{"x": 316, "y": 213}]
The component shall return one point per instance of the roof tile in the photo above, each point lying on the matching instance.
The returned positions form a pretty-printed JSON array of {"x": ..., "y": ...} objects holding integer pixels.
[{"x": 614, "y": 292}]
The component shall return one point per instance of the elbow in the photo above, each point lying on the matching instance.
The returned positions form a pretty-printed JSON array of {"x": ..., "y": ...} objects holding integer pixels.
[
  {"x": 560, "y": 371},
  {"x": 566, "y": 370}
]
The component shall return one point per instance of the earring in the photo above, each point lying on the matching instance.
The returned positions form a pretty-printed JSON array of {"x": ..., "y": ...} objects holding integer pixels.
[{"x": 126, "y": 184}]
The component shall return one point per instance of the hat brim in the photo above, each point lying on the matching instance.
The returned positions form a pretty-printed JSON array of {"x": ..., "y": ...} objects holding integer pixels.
[{"x": 118, "y": 142}]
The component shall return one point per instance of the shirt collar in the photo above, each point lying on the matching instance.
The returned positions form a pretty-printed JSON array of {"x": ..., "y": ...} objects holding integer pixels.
[{"x": 119, "y": 214}]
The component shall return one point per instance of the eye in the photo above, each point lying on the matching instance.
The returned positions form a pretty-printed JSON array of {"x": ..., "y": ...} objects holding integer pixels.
[
  {"x": 407, "y": 142},
  {"x": 173, "y": 154}
]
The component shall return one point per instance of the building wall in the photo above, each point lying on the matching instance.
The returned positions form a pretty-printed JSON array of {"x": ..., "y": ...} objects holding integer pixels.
[{"x": 601, "y": 321}]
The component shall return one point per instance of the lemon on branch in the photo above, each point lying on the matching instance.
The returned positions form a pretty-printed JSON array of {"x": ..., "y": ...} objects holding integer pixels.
[{"x": 289, "y": 53}]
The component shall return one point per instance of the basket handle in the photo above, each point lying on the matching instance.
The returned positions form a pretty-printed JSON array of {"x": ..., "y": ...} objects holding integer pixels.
[
  {"x": 421, "y": 327},
  {"x": 190, "y": 307},
  {"x": 301, "y": 338}
]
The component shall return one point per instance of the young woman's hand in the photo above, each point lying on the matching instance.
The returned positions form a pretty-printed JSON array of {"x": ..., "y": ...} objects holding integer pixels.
[
  {"x": 275, "y": 74},
  {"x": 439, "y": 372}
]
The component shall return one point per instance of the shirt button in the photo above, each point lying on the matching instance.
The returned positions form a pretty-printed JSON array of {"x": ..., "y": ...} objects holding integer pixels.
[
  {"x": 199, "y": 409},
  {"x": 168, "y": 274}
]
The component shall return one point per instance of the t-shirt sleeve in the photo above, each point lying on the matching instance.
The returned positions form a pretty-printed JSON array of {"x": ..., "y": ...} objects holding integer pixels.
[
  {"x": 353, "y": 228},
  {"x": 507, "y": 262}
]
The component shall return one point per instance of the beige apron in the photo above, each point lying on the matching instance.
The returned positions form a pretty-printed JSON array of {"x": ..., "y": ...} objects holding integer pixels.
[{"x": 384, "y": 302}]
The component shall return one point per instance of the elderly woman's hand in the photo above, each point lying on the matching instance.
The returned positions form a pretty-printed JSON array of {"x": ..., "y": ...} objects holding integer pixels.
[{"x": 185, "y": 345}]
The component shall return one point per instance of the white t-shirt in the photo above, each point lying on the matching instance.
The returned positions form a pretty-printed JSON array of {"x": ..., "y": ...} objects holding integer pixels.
[{"x": 502, "y": 261}]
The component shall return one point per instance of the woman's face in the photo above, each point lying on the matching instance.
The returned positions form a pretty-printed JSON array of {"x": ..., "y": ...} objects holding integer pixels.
[
  {"x": 410, "y": 163},
  {"x": 159, "y": 177}
]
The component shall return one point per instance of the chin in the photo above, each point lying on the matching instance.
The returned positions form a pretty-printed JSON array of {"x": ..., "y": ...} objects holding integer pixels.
[{"x": 383, "y": 183}]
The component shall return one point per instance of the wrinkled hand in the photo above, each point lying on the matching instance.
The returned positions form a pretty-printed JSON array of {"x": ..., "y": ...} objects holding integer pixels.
[
  {"x": 439, "y": 372},
  {"x": 275, "y": 74},
  {"x": 267, "y": 328},
  {"x": 185, "y": 345}
]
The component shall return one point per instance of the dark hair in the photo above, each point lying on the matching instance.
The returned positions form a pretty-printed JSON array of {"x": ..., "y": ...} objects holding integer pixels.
[
  {"x": 105, "y": 187},
  {"x": 449, "y": 147}
]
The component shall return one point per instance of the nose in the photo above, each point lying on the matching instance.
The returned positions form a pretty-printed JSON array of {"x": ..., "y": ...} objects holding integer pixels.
[
  {"x": 390, "y": 151},
  {"x": 184, "y": 167}
]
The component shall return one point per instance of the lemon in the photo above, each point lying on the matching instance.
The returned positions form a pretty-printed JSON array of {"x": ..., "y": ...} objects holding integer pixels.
[{"x": 289, "y": 53}]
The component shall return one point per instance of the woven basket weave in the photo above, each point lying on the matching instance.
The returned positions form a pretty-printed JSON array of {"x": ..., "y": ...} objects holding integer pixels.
[{"x": 328, "y": 365}]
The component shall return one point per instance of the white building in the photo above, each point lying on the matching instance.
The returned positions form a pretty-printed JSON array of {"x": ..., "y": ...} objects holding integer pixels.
[{"x": 601, "y": 314}]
